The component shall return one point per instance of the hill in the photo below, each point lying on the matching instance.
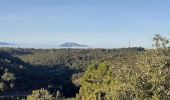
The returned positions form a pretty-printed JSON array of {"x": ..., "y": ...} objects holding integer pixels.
[
  {"x": 6, "y": 43},
  {"x": 72, "y": 44}
]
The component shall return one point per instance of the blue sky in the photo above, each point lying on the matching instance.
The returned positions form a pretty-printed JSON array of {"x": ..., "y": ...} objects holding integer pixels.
[{"x": 104, "y": 23}]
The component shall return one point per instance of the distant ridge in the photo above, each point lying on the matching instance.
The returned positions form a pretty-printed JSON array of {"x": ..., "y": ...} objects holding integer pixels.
[
  {"x": 72, "y": 44},
  {"x": 6, "y": 43}
]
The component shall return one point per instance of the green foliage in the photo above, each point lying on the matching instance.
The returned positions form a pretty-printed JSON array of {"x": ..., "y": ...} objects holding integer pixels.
[
  {"x": 76, "y": 58},
  {"x": 7, "y": 80},
  {"x": 2, "y": 86},
  {"x": 145, "y": 78},
  {"x": 160, "y": 42},
  {"x": 8, "y": 77},
  {"x": 24, "y": 70},
  {"x": 41, "y": 94},
  {"x": 113, "y": 74},
  {"x": 154, "y": 67}
]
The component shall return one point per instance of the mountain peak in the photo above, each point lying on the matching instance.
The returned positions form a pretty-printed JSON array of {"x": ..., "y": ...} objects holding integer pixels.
[
  {"x": 6, "y": 43},
  {"x": 72, "y": 44}
]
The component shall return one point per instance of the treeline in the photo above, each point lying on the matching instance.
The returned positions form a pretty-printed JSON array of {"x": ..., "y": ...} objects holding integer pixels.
[
  {"x": 86, "y": 74},
  {"x": 55, "y": 70},
  {"x": 19, "y": 78},
  {"x": 144, "y": 77},
  {"x": 75, "y": 58}
]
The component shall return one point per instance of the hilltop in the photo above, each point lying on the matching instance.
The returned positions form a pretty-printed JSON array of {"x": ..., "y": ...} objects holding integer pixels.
[{"x": 72, "y": 44}]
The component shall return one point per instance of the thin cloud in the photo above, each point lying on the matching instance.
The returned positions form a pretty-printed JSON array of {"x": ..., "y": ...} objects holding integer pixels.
[{"x": 13, "y": 16}]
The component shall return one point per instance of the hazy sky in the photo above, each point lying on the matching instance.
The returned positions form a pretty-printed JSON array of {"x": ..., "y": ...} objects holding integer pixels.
[{"x": 105, "y": 23}]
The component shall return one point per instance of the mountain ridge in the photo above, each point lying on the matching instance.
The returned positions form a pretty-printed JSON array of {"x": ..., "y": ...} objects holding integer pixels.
[
  {"x": 72, "y": 44},
  {"x": 6, "y": 43}
]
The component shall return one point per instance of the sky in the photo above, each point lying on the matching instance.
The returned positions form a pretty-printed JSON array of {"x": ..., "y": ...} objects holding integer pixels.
[{"x": 102, "y": 23}]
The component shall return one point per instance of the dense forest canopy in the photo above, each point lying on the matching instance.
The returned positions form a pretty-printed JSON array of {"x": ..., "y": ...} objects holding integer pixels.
[
  {"x": 53, "y": 69},
  {"x": 86, "y": 74},
  {"x": 145, "y": 78}
]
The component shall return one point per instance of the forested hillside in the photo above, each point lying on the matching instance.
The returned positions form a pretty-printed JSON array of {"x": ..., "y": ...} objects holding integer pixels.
[
  {"x": 57, "y": 70},
  {"x": 145, "y": 76},
  {"x": 86, "y": 74}
]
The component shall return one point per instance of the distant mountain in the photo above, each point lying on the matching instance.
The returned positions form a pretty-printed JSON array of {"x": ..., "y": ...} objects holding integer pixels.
[
  {"x": 72, "y": 44},
  {"x": 6, "y": 43}
]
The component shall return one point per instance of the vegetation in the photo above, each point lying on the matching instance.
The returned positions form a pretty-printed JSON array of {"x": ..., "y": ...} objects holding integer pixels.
[
  {"x": 160, "y": 42},
  {"x": 86, "y": 74},
  {"x": 146, "y": 77},
  {"x": 40, "y": 95},
  {"x": 54, "y": 70}
]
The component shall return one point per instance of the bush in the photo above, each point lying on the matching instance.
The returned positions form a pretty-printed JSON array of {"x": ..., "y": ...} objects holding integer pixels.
[
  {"x": 144, "y": 78},
  {"x": 41, "y": 94}
]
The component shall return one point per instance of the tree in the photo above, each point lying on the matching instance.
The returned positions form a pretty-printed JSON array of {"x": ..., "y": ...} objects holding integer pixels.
[
  {"x": 160, "y": 42},
  {"x": 41, "y": 94},
  {"x": 7, "y": 76},
  {"x": 2, "y": 86},
  {"x": 146, "y": 79}
]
